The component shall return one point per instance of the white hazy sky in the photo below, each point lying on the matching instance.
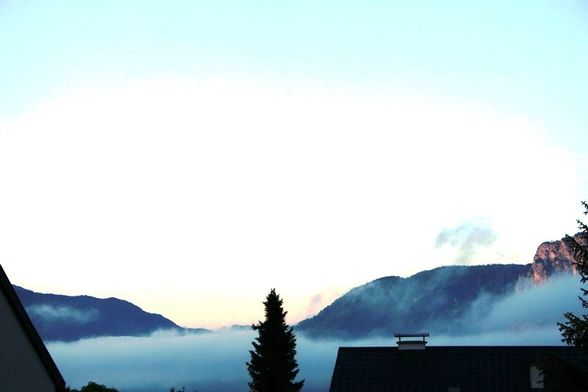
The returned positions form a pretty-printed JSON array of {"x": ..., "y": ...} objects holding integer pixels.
[{"x": 190, "y": 155}]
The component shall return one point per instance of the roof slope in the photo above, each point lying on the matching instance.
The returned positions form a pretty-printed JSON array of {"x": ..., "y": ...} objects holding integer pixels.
[
  {"x": 30, "y": 331},
  {"x": 468, "y": 368}
]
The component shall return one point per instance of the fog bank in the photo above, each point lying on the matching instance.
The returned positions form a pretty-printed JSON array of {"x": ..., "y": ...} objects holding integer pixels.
[
  {"x": 201, "y": 362},
  {"x": 215, "y": 361}
]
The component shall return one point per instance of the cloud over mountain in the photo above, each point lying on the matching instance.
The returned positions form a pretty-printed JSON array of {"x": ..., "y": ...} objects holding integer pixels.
[
  {"x": 467, "y": 238},
  {"x": 70, "y": 314}
]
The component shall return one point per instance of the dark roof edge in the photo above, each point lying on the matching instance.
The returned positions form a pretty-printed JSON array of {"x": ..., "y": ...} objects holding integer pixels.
[
  {"x": 31, "y": 332},
  {"x": 563, "y": 346}
]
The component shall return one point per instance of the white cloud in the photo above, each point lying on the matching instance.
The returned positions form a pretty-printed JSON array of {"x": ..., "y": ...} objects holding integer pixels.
[
  {"x": 62, "y": 313},
  {"x": 467, "y": 238},
  {"x": 214, "y": 188},
  {"x": 530, "y": 307}
]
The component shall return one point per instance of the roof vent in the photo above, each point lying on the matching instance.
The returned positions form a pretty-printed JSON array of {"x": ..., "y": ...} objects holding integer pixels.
[{"x": 411, "y": 341}]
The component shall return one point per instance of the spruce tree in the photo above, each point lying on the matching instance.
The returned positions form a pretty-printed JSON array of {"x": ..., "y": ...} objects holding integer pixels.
[
  {"x": 575, "y": 329},
  {"x": 273, "y": 366}
]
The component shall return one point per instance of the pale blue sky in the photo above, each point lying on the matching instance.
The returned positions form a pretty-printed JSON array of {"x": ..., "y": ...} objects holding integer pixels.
[
  {"x": 202, "y": 141},
  {"x": 524, "y": 55}
]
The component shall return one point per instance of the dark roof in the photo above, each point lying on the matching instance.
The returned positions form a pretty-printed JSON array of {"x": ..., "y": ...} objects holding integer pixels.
[
  {"x": 31, "y": 332},
  {"x": 469, "y": 368}
]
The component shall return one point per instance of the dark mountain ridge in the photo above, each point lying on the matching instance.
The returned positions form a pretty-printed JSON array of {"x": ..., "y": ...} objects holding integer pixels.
[
  {"x": 431, "y": 299},
  {"x": 436, "y": 300},
  {"x": 68, "y": 318}
]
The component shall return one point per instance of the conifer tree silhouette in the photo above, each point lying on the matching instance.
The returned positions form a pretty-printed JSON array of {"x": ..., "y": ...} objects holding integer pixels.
[
  {"x": 273, "y": 366},
  {"x": 575, "y": 329}
]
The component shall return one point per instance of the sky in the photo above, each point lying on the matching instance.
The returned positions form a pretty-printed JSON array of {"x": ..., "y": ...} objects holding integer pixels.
[{"x": 188, "y": 156}]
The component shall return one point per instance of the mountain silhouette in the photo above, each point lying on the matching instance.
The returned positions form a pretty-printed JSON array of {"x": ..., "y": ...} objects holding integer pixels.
[
  {"x": 435, "y": 301},
  {"x": 68, "y": 318}
]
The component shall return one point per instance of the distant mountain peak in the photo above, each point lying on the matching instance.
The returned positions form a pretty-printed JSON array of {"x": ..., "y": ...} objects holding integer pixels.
[
  {"x": 553, "y": 257},
  {"x": 68, "y": 318}
]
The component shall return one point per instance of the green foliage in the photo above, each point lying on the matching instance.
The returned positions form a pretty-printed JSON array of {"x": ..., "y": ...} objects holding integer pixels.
[
  {"x": 273, "y": 366},
  {"x": 575, "y": 329}
]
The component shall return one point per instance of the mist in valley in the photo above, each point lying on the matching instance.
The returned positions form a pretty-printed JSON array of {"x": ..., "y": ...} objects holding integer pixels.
[{"x": 216, "y": 361}]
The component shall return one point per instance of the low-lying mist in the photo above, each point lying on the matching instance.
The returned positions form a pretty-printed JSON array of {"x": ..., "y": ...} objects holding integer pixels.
[
  {"x": 216, "y": 361},
  {"x": 201, "y": 362},
  {"x": 529, "y": 308}
]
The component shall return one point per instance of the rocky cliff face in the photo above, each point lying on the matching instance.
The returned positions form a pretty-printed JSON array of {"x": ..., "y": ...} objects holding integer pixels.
[{"x": 553, "y": 257}]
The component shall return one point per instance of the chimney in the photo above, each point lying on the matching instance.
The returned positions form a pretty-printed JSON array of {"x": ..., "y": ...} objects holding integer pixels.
[{"x": 411, "y": 341}]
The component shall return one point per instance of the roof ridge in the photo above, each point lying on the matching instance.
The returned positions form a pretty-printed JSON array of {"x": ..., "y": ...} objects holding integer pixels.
[{"x": 31, "y": 331}]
